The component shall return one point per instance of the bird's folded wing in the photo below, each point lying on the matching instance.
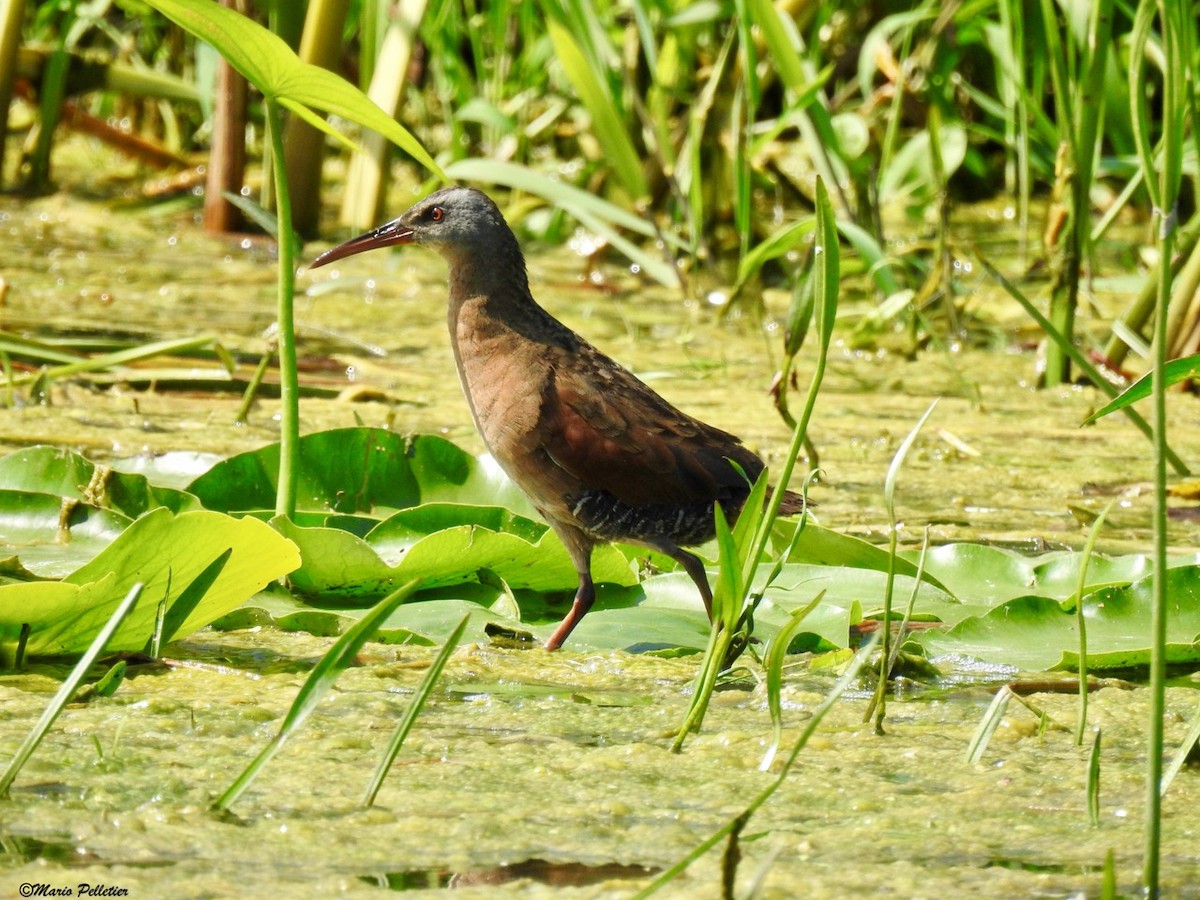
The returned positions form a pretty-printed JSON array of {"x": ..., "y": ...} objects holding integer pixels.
[{"x": 639, "y": 449}]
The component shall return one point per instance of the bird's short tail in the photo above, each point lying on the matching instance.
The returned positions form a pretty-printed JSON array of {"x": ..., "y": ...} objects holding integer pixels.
[{"x": 792, "y": 504}]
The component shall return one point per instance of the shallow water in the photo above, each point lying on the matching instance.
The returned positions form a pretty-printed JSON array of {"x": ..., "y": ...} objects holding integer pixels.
[{"x": 573, "y": 771}]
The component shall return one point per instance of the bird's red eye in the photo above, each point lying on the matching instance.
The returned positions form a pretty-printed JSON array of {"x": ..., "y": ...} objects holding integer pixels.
[{"x": 437, "y": 214}]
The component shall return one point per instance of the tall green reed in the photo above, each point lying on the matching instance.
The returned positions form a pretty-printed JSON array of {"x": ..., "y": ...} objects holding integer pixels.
[
  {"x": 306, "y": 92},
  {"x": 1177, "y": 32}
]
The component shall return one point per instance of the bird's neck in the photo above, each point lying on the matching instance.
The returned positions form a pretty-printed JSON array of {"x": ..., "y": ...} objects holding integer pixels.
[{"x": 490, "y": 299}]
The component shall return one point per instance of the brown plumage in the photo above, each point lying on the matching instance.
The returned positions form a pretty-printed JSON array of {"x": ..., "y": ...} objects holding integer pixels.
[{"x": 601, "y": 456}]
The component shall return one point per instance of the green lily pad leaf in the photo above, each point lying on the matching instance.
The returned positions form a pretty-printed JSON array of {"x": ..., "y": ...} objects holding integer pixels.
[
  {"x": 822, "y": 546},
  {"x": 55, "y": 470},
  {"x": 395, "y": 536},
  {"x": 336, "y": 563},
  {"x": 159, "y": 549},
  {"x": 665, "y": 611},
  {"x": 51, "y": 535},
  {"x": 980, "y": 573},
  {"x": 1038, "y": 633},
  {"x": 361, "y": 470},
  {"x": 340, "y": 564},
  {"x": 427, "y": 623}
]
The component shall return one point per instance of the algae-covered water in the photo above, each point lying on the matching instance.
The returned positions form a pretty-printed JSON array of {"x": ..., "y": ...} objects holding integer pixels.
[{"x": 553, "y": 771}]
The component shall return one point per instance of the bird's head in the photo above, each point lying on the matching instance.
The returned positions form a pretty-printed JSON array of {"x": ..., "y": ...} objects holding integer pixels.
[{"x": 457, "y": 222}]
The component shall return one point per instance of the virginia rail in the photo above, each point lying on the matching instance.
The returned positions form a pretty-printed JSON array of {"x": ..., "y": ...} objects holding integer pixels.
[{"x": 601, "y": 456}]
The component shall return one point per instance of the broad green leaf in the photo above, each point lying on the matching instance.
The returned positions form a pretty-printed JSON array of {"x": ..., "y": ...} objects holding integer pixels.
[
  {"x": 339, "y": 563},
  {"x": 983, "y": 574},
  {"x": 1038, "y": 633},
  {"x": 426, "y": 623},
  {"x": 268, "y": 63},
  {"x": 56, "y": 470},
  {"x": 910, "y": 175},
  {"x": 782, "y": 241},
  {"x": 822, "y": 546},
  {"x": 157, "y": 549},
  {"x": 395, "y": 536},
  {"x": 361, "y": 470},
  {"x": 52, "y": 536}
]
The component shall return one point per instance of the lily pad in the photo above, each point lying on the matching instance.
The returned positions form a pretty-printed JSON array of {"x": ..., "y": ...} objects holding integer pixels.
[
  {"x": 64, "y": 473},
  {"x": 361, "y": 470},
  {"x": 340, "y": 564},
  {"x": 165, "y": 552},
  {"x": 980, "y": 573},
  {"x": 51, "y": 536},
  {"x": 1039, "y": 633}
]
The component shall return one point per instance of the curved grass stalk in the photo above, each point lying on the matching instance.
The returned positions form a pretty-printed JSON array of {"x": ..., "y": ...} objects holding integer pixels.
[
  {"x": 776, "y": 652},
  {"x": 745, "y": 547},
  {"x": 878, "y": 705},
  {"x": 289, "y": 377},
  {"x": 1081, "y": 623}
]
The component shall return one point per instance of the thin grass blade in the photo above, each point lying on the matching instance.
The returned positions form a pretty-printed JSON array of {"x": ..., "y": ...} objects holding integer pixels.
[
  {"x": 414, "y": 709},
  {"x": 1081, "y": 620},
  {"x": 191, "y": 596},
  {"x": 1185, "y": 751},
  {"x": 776, "y": 653},
  {"x": 317, "y": 685},
  {"x": 988, "y": 724},
  {"x": 739, "y": 821},
  {"x": 64, "y": 694}
]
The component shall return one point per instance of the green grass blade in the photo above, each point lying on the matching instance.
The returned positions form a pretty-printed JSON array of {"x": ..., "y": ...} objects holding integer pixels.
[
  {"x": 738, "y": 822},
  {"x": 317, "y": 685},
  {"x": 1183, "y": 369},
  {"x": 878, "y": 705},
  {"x": 607, "y": 122},
  {"x": 1093, "y": 782},
  {"x": 1081, "y": 620},
  {"x": 776, "y": 653},
  {"x": 64, "y": 694},
  {"x": 191, "y": 596},
  {"x": 988, "y": 724},
  {"x": 414, "y": 709},
  {"x": 1183, "y": 753},
  {"x": 268, "y": 63}
]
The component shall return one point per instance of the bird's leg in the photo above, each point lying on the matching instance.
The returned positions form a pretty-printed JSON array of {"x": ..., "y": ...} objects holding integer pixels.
[
  {"x": 692, "y": 565},
  {"x": 584, "y": 598},
  {"x": 579, "y": 547}
]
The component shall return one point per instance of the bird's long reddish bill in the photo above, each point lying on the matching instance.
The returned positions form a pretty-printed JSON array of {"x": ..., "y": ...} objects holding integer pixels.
[{"x": 383, "y": 236}]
